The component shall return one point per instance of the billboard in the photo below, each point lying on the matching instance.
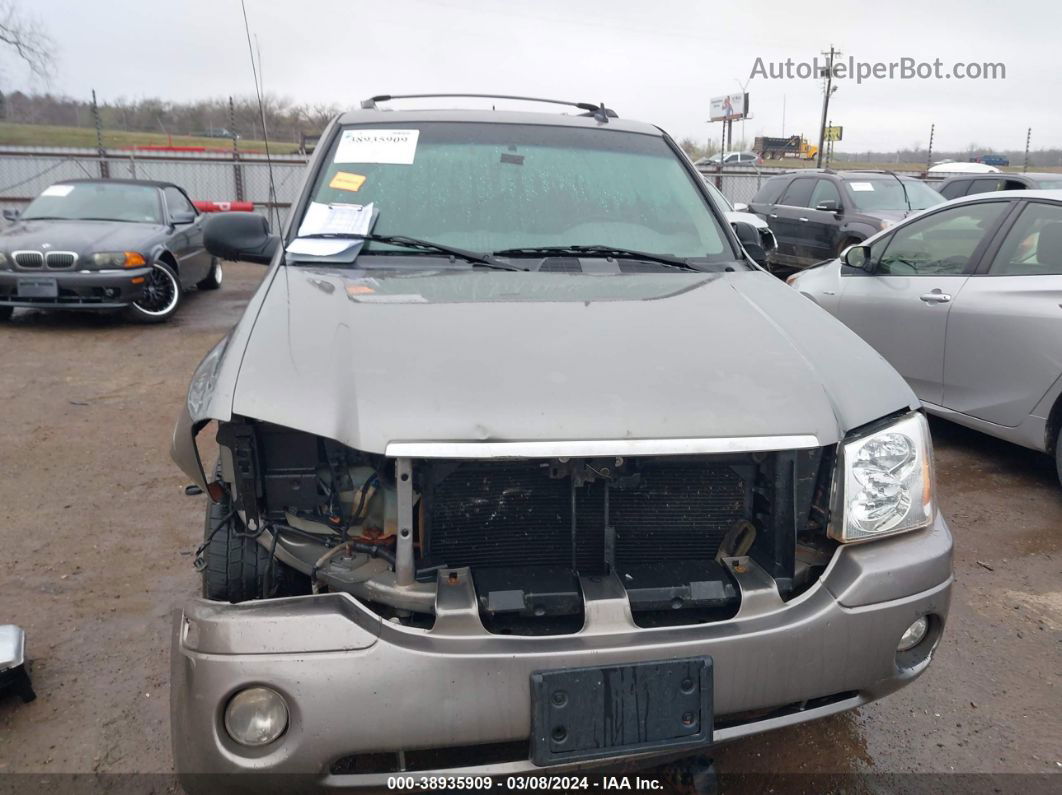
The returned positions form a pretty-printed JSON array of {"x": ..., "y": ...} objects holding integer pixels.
[{"x": 728, "y": 107}]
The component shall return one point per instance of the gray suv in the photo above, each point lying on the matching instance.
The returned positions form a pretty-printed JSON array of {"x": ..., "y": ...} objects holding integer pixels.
[{"x": 526, "y": 467}]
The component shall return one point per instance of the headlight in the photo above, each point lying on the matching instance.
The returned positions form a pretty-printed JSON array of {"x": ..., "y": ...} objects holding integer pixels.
[
  {"x": 887, "y": 481},
  {"x": 256, "y": 716},
  {"x": 203, "y": 380},
  {"x": 118, "y": 259}
]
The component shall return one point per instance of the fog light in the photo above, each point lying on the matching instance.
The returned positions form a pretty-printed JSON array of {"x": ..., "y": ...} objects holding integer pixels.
[
  {"x": 256, "y": 716},
  {"x": 913, "y": 635}
]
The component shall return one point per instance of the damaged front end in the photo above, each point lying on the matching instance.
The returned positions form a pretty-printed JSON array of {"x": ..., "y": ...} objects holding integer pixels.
[{"x": 529, "y": 528}]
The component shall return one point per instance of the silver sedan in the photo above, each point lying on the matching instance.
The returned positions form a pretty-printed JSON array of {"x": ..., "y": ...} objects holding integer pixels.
[{"x": 965, "y": 301}]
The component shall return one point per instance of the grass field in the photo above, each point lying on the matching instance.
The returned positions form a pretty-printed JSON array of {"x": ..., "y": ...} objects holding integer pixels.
[{"x": 47, "y": 135}]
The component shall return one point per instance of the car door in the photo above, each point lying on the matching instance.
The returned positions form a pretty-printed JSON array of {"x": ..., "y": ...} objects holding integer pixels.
[
  {"x": 820, "y": 226},
  {"x": 186, "y": 240},
  {"x": 901, "y": 305},
  {"x": 1004, "y": 340},
  {"x": 785, "y": 216}
]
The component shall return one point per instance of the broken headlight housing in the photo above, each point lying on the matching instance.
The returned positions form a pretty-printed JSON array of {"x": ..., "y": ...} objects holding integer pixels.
[
  {"x": 887, "y": 479},
  {"x": 202, "y": 387}
]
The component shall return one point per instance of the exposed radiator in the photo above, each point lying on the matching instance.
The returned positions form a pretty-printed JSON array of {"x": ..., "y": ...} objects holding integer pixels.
[{"x": 487, "y": 513}]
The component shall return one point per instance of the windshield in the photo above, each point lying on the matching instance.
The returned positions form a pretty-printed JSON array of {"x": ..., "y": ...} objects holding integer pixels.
[
  {"x": 492, "y": 187},
  {"x": 1049, "y": 184},
  {"x": 102, "y": 201},
  {"x": 886, "y": 193}
]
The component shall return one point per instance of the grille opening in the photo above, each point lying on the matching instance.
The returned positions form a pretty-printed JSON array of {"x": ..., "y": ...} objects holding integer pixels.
[
  {"x": 446, "y": 758},
  {"x": 530, "y": 529},
  {"x": 30, "y": 260}
]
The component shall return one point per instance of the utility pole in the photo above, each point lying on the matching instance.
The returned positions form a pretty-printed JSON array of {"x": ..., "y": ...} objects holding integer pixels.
[
  {"x": 105, "y": 171},
  {"x": 929, "y": 155},
  {"x": 829, "y": 89},
  {"x": 1028, "y": 137}
]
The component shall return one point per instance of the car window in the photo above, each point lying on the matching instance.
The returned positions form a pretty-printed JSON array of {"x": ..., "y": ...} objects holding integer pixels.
[
  {"x": 97, "y": 201},
  {"x": 873, "y": 193},
  {"x": 799, "y": 193},
  {"x": 721, "y": 200},
  {"x": 770, "y": 191},
  {"x": 1014, "y": 184},
  {"x": 985, "y": 186},
  {"x": 1033, "y": 247},
  {"x": 939, "y": 244},
  {"x": 954, "y": 190},
  {"x": 489, "y": 187},
  {"x": 177, "y": 202},
  {"x": 824, "y": 191}
]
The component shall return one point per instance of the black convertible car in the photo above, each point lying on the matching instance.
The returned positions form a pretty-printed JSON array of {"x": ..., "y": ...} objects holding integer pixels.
[{"x": 105, "y": 244}]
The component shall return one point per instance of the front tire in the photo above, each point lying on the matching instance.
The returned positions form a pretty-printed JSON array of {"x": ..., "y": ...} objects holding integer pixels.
[
  {"x": 235, "y": 565},
  {"x": 161, "y": 296},
  {"x": 213, "y": 281},
  {"x": 1058, "y": 455}
]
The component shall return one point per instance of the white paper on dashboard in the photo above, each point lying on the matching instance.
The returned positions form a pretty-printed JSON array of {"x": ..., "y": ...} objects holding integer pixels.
[
  {"x": 336, "y": 219},
  {"x": 320, "y": 246},
  {"x": 862, "y": 186},
  {"x": 57, "y": 190},
  {"x": 377, "y": 146}
]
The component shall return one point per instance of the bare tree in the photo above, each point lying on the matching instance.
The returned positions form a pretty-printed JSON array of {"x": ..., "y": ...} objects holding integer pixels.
[{"x": 25, "y": 35}]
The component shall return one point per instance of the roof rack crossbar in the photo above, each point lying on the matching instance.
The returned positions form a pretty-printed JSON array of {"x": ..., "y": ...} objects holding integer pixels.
[{"x": 600, "y": 112}]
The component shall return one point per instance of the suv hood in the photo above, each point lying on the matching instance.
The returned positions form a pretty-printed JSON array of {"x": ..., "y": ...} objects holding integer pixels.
[{"x": 369, "y": 357}]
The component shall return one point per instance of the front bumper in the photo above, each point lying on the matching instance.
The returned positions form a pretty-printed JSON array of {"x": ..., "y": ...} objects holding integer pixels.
[
  {"x": 107, "y": 289},
  {"x": 357, "y": 685}
]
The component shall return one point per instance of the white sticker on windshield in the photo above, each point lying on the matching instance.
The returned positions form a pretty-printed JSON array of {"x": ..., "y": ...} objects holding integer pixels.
[
  {"x": 57, "y": 190},
  {"x": 861, "y": 185},
  {"x": 377, "y": 146}
]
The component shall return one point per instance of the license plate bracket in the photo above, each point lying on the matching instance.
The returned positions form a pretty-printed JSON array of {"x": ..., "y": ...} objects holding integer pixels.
[
  {"x": 593, "y": 713},
  {"x": 38, "y": 288}
]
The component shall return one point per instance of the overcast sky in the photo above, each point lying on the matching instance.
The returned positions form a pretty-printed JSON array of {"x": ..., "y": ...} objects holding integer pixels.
[{"x": 656, "y": 61}]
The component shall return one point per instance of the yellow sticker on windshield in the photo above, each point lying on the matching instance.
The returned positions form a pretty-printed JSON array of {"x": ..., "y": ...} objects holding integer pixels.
[{"x": 344, "y": 180}]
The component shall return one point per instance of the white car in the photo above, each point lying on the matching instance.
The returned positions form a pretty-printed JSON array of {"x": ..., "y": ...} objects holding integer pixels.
[
  {"x": 963, "y": 300},
  {"x": 739, "y": 214}
]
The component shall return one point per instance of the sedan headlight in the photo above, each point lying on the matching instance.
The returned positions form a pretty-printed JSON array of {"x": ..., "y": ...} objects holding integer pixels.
[
  {"x": 203, "y": 380},
  {"x": 887, "y": 479},
  {"x": 118, "y": 259}
]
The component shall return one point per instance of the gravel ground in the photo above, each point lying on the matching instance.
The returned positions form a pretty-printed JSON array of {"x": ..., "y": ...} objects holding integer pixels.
[{"x": 97, "y": 539}]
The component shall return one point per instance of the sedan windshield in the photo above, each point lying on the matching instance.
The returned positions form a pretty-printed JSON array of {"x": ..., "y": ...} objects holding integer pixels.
[
  {"x": 502, "y": 187},
  {"x": 886, "y": 193},
  {"x": 97, "y": 201}
]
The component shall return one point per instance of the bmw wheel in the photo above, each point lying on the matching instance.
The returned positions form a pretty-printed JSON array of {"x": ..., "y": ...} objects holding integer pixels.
[
  {"x": 213, "y": 281},
  {"x": 161, "y": 296}
]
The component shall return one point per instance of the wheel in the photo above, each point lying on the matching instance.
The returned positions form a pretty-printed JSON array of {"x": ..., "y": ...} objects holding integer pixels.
[
  {"x": 6, "y": 312},
  {"x": 237, "y": 568},
  {"x": 848, "y": 241},
  {"x": 213, "y": 281},
  {"x": 161, "y": 296},
  {"x": 1058, "y": 455}
]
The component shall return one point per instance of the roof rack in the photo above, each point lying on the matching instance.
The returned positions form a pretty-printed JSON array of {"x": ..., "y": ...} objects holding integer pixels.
[{"x": 599, "y": 111}]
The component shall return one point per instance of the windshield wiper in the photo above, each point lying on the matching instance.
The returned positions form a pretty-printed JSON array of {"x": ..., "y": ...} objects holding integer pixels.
[
  {"x": 596, "y": 251},
  {"x": 486, "y": 260}
]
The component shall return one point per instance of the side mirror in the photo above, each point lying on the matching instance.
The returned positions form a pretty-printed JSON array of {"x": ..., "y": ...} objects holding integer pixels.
[
  {"x": 829, "y": 206},
  {"x": 857, "y": 257},
  {"x": 12, "y": 215},
  {"x": 751, "y": 241},
  {"x": 240, "y": 236},
  {"x": 180, "y": 218},
  {"x": 741, "y": 207}
]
